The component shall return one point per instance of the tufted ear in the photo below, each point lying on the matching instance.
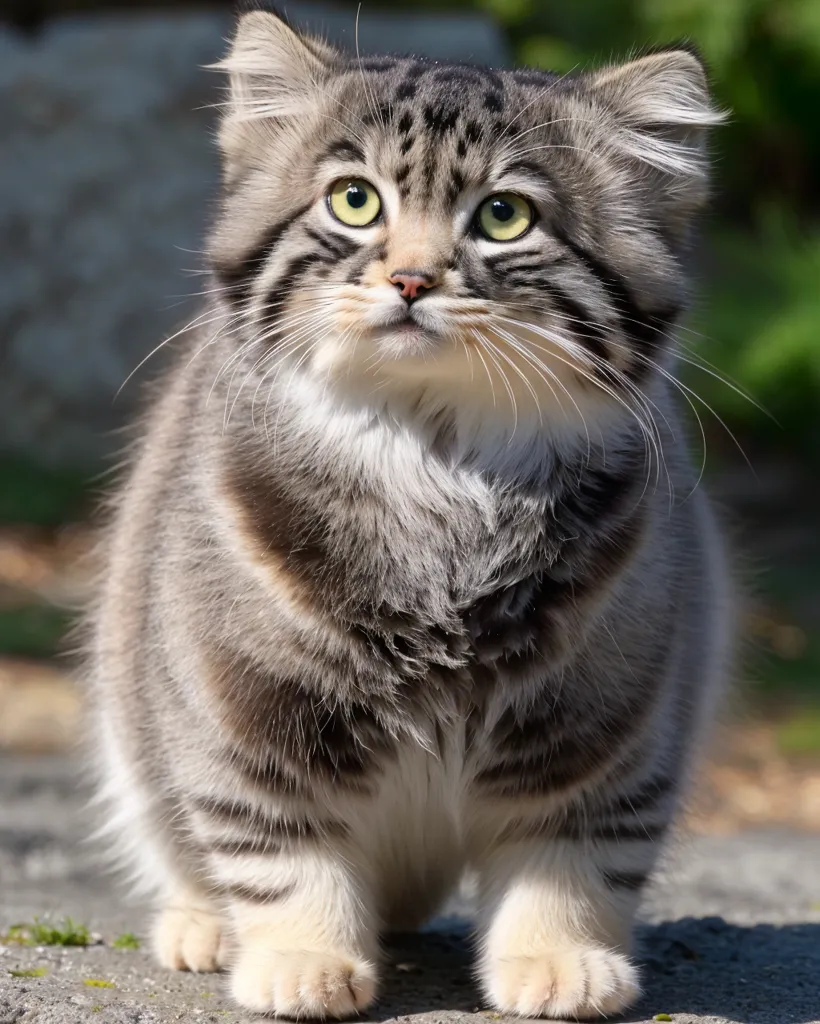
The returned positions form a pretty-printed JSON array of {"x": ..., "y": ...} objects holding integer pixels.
[
  {"x": 273, "y": 70},
  {"x": 663, "y": 107},
  {"x": 274, "y": 73}
]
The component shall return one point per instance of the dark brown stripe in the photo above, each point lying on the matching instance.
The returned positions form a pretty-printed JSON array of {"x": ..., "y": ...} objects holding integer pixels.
[
  {"x": 281, "y": 289},
  {"x": 632, "y": 880},
  {"x": 645, "y": 797},
  {"x": 627, "y": 830},
  {"x": 237, "y": 275},
  {"x": 268, "y": 829},
  {"x": 592, "y": 333},
  {"x": 642, "y": 327},
  {"x": 335, "y": 245},
  {"x": 343, "y": 147},
  {"x": 251, "y": 894}
]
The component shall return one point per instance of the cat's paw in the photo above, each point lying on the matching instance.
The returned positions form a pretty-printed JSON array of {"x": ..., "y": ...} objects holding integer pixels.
[
  {"x": 190, "y": 938},
  {"x": 573, "y": 982},
  {"x": 302, "y": 983}
]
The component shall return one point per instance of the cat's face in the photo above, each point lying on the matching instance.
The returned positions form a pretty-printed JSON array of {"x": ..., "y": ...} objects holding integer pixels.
[{"x": 457, "y": 235}]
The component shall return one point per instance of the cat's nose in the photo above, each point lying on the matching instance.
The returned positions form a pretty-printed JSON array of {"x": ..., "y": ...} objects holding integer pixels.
[{"x": 411, "y": 283}]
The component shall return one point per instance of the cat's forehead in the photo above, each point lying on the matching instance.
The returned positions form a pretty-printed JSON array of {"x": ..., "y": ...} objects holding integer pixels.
[
  {"x": 427, "y": 124},
  {"x": 440, "y": 98}
]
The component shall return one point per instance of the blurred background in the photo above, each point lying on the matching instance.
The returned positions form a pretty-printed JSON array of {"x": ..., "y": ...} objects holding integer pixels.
[{"x": 107, "y": 172}]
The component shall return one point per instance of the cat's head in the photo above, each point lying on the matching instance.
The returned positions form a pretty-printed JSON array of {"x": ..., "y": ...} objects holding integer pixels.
[{"x": 504, "y": 242}]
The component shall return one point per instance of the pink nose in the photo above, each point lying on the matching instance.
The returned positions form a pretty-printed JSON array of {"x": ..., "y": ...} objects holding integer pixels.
[{"x": 410, "y": 284}]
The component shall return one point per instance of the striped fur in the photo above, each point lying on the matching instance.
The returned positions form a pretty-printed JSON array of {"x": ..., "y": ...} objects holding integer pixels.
[{"x": 395, "y": 590}]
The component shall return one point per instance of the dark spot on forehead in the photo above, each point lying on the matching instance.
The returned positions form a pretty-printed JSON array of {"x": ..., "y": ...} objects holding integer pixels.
[
  {"x": 344, "y": 147},
  {"x": 473, "y": 131},
  {"x": 407, "y": 145},
  {"x": 402, "y": 174},
  {"x": 405, "y": 122},
  {"x": 527, "y": 166},
  {"x": 376, "y": 65},
  {"x": 456, "y": 185},
  {"x": 407, "y": 88},
  {"x": 380, "y": 115},
  {"x": 459, "y": 74},
  {"x": 494, "y": 102},
  {"x": 461, "y": 148},
  {"x": 440, "y": 120}
]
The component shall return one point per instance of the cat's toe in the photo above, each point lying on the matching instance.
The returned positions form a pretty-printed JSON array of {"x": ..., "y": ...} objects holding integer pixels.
[
  {"x": 302, "y": 983},
  {"x": 188, "y": 938},
  {"x": 570, "y": 982}
]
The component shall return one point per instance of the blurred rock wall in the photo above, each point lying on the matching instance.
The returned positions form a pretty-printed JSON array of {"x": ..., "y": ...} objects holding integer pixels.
[{"x": 107, "y": 173}]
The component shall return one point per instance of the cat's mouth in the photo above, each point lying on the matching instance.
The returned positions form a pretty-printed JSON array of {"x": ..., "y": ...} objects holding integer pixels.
[
  {"x": 410, "y": 326},
  {"x": 411, "y": 331}
]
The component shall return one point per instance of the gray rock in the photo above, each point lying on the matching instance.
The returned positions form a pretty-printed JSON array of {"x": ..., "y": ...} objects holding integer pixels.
[{"x": 107, "y": 177}]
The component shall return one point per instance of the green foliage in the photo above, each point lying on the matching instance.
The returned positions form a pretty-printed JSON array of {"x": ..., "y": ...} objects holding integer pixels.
[
  {"x": 32, "y": 631},
  {"x": 31, "y": 972},
  {"x": 98, "y": 983},
  {"x": 42, "y": 933},
  {"x": 800, "y": 734},
  {"x": 126, "y": 941},
  {"x": 31, "y": 494}
]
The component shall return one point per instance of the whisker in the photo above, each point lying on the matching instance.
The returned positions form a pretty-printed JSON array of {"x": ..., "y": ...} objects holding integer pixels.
[
  {"x": 538, "y": 97},
  {"x": 504, "y": 380}
]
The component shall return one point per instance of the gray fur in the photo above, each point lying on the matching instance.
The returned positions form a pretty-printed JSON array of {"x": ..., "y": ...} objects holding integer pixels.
[{"x": 338, "y": 564}]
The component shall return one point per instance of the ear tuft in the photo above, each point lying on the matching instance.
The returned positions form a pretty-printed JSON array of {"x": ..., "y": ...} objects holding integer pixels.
[
  {"x": 273, "y": 70},
  {"x": 662, "y": 104}
]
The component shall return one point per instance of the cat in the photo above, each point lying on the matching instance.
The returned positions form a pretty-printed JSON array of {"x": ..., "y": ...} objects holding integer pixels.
[{"x": 409, "y": 573}]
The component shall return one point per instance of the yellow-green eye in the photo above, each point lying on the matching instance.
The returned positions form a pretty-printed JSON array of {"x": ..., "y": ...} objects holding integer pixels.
[
  {"x": 355, "y": 202},
  {"x": 504, "y": 216}
]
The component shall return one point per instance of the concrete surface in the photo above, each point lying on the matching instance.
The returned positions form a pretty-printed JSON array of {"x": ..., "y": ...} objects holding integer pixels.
[{"x": 731, "y": 932}]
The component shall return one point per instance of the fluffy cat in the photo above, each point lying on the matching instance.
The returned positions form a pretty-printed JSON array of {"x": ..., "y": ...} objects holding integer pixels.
[{"x": 410, "y": 573}]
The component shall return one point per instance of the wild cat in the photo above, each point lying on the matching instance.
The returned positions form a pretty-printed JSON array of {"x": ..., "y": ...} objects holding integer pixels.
[{"x": 409, "y": 573}]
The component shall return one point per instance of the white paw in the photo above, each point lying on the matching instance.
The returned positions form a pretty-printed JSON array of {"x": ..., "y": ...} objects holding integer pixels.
[
  {"x": 301, "y": 983},
  {"x": 562, "y": 982},
  {"x": 190, "y": 938}
]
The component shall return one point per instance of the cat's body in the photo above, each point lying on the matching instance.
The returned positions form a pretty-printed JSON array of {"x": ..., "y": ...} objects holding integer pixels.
[{"x": 388, "y": 620}]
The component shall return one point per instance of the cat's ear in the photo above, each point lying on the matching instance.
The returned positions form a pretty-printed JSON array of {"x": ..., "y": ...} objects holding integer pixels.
[
  {"x": 273, "y": 70},
  {"x": 663, "y": 108}
]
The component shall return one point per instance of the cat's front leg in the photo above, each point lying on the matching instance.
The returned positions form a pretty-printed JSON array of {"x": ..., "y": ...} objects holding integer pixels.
[
  {"x": 556, "y": 909},
  {"x": 301, "y": 918}
]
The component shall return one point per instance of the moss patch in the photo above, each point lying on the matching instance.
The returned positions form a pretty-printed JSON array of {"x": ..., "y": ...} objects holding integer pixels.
[
  {"x": 126, "y": 941},
  {"x": 31, "y": 972},
  {"x": 41, "y": 933},
  {"x": 98, "y": 983}
]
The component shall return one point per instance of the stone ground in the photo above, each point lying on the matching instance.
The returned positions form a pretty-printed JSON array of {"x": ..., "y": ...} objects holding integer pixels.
[{"x": 731, "y": 931}]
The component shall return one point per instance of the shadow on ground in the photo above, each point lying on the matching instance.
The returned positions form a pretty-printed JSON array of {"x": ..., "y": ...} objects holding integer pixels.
[{"x": 762, "y": 974}]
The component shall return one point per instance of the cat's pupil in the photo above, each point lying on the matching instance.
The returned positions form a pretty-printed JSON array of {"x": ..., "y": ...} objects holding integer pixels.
[
  {"x": 356, "y": 197},
  {"x": 502, "y": 210}
]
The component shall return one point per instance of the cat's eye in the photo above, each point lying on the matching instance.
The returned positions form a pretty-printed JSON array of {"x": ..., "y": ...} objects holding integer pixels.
[
  {"x": 504, "y": 216},
  {"x": 354, "y": 202}
]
